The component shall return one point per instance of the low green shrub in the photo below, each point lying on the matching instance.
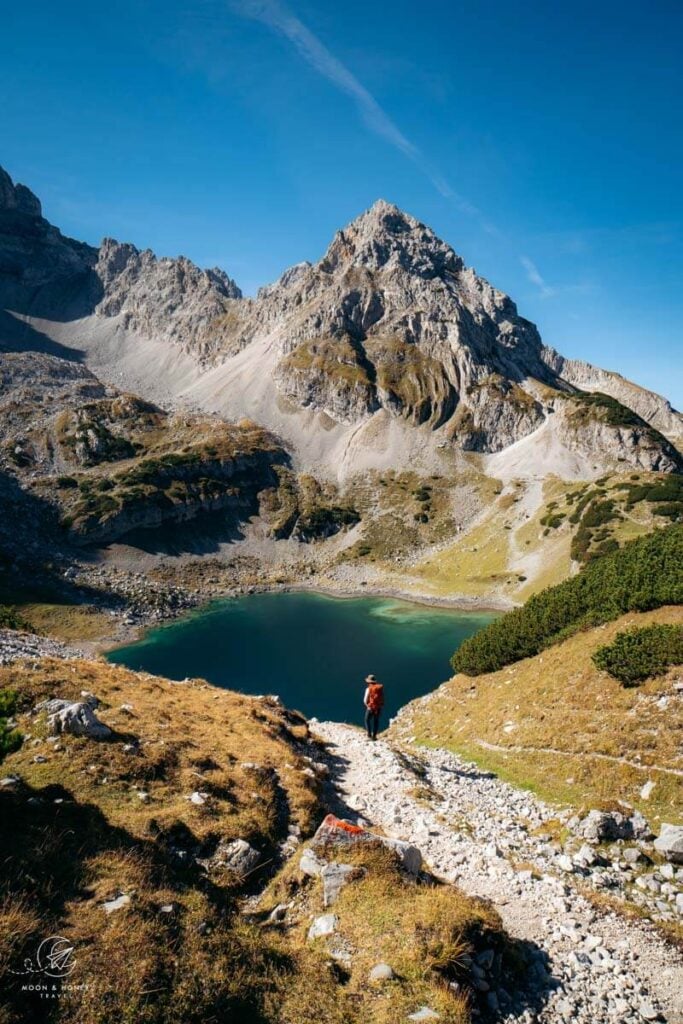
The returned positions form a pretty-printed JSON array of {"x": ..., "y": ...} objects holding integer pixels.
[
  {"x": 637, "y": 654},
  {"x": 10, "y": 738},
  {"x": 11, "y": 619},
  {"x": 646, "y": 573}
]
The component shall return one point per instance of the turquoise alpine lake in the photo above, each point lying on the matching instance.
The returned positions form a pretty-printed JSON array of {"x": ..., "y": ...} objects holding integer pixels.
[{"x": 313, "y": 651}]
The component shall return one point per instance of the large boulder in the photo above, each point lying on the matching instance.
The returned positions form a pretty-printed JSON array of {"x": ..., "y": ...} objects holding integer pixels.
[
  {"x": 77, "y": 718},
  {"x": 338, "y": 832},
  {"x": 606, "y": 826},
  {"x": 669, "y": 842}
]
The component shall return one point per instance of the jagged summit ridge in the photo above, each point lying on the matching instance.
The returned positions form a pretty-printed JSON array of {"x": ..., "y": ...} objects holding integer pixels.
[
  {"x": 383, "y": 235},
  {"x": 389, "y": 331},
  {"x": 18, "y": 197}
]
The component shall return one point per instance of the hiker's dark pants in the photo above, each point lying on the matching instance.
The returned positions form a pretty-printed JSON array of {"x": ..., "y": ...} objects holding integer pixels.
[{"x": 372, "y": 722}]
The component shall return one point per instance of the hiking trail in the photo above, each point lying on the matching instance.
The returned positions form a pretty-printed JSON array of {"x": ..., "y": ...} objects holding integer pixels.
[{"x": 487, "y": 837}]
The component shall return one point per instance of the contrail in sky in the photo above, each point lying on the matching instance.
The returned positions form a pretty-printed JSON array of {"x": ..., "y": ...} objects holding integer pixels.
[{"x": 280, "y": 19}]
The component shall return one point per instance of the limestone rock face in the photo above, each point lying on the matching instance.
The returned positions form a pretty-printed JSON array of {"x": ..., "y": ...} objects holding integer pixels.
[
  {"x": 590, "y": 428},
  {"x": 390, "y": 319},
  {"x": 391, "y": 322},
  {"x": 652, "y": 408},
  {"x": 170, "y": 298},
  {"x": 45, "y": 274},
  {"x": 386, "y": 346},
  {"x": 18, "y": 197},
  {"x": 41, "y": 270}
]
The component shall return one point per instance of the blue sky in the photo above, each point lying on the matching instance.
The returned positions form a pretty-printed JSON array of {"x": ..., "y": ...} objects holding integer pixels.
[{"x": 542, "y": 140}]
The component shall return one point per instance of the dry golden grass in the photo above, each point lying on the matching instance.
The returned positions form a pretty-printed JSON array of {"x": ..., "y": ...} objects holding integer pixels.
[
  {"x": 62, "y": 859},
  {"x": 69, "y": 622},
  {"x": 392, "y": 505},
  {"x": 573, "y": 734},
  {"x": 421, "y": 930},
  {"x": 510, "y": 552},
  {"x": 85, "y": 836}
]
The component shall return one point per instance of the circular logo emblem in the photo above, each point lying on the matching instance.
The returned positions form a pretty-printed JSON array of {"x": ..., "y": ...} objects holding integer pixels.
[{"x": 55, "y": 957}]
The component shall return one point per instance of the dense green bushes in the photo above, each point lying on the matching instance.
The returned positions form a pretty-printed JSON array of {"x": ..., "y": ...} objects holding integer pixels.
[
  {"x": 638, "y": 654},
  {"x": 646, "y": 573},
  {"x": 11, "y": 619}
]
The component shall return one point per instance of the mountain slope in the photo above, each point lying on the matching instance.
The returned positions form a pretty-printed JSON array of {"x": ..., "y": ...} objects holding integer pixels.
[
  {"x": 558, "y": 725},
  {"x": 385, "y": 351}
]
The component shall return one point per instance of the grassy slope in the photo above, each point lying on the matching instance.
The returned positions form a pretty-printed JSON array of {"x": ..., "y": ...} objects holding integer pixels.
[
  {"x": 512, "y": 553},
  {"x": 559, "y": 700},
  {"x": 54, "y": 615},
  {"x": 206, "y": 960}
]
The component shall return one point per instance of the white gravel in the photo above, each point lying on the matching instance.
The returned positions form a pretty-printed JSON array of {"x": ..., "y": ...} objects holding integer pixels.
[
  {"x": 601, "y": 967},
  {"x": 15, "y": 646}
]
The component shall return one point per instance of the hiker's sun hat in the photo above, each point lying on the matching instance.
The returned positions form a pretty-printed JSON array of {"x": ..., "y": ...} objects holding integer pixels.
[{"x": 370, "y": 679}]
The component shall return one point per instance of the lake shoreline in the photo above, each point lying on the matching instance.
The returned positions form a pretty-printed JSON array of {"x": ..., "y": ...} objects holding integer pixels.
[
  {"x": 136, "y": 632},
  {"x": 461, "y": 604}
]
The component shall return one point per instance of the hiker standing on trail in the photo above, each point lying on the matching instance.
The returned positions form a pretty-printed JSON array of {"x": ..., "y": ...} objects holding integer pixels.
[{"x": 374, "y": 702}]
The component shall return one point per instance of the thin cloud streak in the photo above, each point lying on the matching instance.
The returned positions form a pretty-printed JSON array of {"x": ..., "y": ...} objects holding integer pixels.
[
  {"x": 535, "y": 277},
  {"x": 280, "y": 19}
]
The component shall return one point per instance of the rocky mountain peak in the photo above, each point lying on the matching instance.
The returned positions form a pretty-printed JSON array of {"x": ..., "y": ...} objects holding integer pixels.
[
  {"x": 388, "y": 326},
  {"x": 385, "y": 236},
  {"x": 18, "y": 197}
]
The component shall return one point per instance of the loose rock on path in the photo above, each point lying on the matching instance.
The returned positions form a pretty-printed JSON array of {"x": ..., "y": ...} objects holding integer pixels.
[{"x": 479, "y": 832}]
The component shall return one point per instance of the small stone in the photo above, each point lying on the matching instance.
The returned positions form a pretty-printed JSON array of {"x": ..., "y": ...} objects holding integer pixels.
[
  {"x": 565, "y": 863},
  {"x": 632, "y": 855},
  {"x": 335, "y": 877},
  {"x": 236, "y": 855},
  {"x": 39, "y": 759},
  {"x": 648, "y": 1012},
  {"x": 485, "y": 959},
  {"x": 586, "y": 856},
  {"x": 424, "y": 1013},
  {"x": 279, "y": 912},
  {"x": 168, "y": 908},
  {"x": 646, "y": 791},
  {"x": 198, "y": 798},
  {"x": 116, "y": 904},
  {"x": 310, "y": 864},
  {"x": 381, "y": 972},
  {"x": 324, "y": 925},
  {"x": 670, "y": 843}
]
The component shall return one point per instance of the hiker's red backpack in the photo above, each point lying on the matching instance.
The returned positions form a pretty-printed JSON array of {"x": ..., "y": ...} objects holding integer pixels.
[{"x": 375, "y": 697}]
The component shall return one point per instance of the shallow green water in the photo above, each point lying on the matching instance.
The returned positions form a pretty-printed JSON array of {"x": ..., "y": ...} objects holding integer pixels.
[{"x": 313, "y": 651}]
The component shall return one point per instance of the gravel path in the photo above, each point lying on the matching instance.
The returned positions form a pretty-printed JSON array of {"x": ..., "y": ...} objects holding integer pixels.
[{"x": 475, "y": 830}]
